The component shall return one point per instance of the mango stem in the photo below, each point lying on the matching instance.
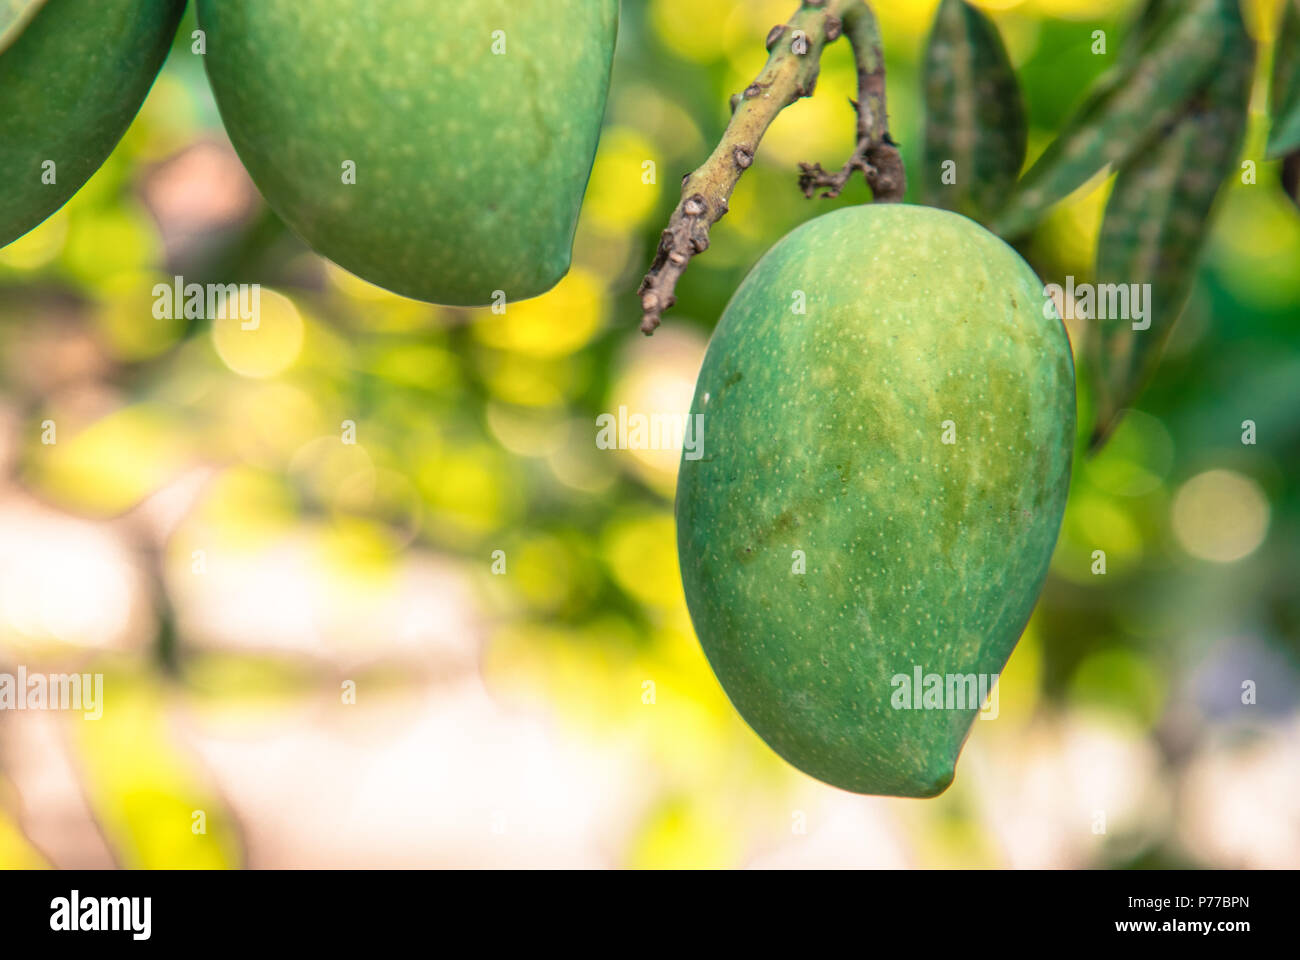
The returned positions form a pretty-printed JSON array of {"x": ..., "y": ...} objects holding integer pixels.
[{"x": 789, "y": 75}]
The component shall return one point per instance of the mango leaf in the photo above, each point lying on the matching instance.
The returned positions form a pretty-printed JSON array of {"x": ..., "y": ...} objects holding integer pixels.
[
  {"x": 1140, "y": 95},
  {"x": 976, "y": 131},
  {"x": 14, "y": 17},
  {"x": 1155, "y": 225},
  {"x": 1285, "y": 136},
  {"x": 1147, "y": 27}
]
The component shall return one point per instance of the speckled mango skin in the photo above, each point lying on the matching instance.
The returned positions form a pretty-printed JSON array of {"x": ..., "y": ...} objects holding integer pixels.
[
  {"x": 470, "y": 166},
  {"x": 823, "y": 433},
  {"x": 71, "y": 82}
]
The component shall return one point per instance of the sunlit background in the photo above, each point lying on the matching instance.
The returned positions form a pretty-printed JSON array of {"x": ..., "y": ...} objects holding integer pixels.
[{"x": 200, "y": 533}]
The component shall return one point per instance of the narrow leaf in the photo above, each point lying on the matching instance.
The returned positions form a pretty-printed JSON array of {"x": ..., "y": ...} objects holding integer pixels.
[
  {"x": 14, "y": 17},
  {"x": 1149, "y": 25},
  {"x": 1285, "y": 136},
  {"x": 1155, "y": 226},
  {"x": 1140, "y": 95},
  {"x": 976, "y": 130}
]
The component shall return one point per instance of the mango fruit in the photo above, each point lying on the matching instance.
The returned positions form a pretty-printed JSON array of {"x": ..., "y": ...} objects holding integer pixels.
[
  {"x": 72, "y": 78},
  {"x": 437, "y": 148},
  {"x": 888, "y": 414}
]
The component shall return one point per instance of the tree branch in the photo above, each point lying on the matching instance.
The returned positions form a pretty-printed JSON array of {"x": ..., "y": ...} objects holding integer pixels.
[
  {"x": 876, "y": 154},
  {"x": 790, "y": 73}
]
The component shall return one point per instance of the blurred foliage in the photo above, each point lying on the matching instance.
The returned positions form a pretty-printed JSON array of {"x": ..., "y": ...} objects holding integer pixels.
[{"x": 475, "y": 433}]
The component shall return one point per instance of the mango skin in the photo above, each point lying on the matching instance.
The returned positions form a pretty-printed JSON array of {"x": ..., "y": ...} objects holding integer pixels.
[
  {"x": 823, "y": 433},
  {"x": 470, "y": 166},
  {"x": 71, "y": 82}
]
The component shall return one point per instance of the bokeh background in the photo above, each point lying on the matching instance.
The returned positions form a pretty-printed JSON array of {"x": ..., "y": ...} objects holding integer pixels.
[{"x": 200, "y": 534}]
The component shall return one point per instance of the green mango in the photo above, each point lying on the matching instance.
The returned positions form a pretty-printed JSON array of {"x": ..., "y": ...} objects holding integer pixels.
[
  {"x": 73, "y": 75},
  {"x": 469, "y": 128},
  {"x": 886, "y": 422}
]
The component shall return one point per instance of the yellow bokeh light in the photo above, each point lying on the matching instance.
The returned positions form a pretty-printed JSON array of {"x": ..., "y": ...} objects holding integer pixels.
[
  {"x": 358, "y": 554},
  {"x": 905, "y": 22},
  {"x": 642, "y": 555},
  {"x": 37, "y": 247},
  {"x": 547, "y": 572},
  {"x": 816, "y": 129},
  {"x": 1021, "y": 679},
  {"x": 1136, "y": 458},
  {"x": 578, "y": 464},
  {"x": 350, "y": 285},
  {"x": 1220, "y": 515},
  {"x": 1096, "y": 535},
  {"x": 141, "y": 784},
  {"x": 468, "y": 491},
  {"x": 16, "y": 853},
  {"x": 380, "y": 309},
  {"x": 684, "y": 835},
  {"x": 749, "y": 22},
  {"x": 624, "y": 187},
  {"x": 1065, "y": 9},
  {"x": 340, "y": 475},
  {"x": 692, "y": 29},
  {"x": 529, "y": 381},
  {"x": 747, "y": 220},
  {"x": 1120, "y": 682},
  {"x": 127, "y": 320},
  {"x": 552, "y": 325},
  {"x": 665, "y": 122},
  {"x": 264, "y": 423},
  {"x": 1256, "y": 247},
  {"x": 115, "y": 462},
  {"x": 242, "y": 508},
  {"x": 105, "y": 242},
  {"x": 528, "y": 432},
  {"x": 264, "y": 346},
  {"x": 169, "y": 121}
]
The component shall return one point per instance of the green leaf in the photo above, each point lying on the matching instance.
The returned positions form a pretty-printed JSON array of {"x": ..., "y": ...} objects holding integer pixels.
[
  {"x": 1149, "y": 25},
  {"x": 1285, "y": 136},
  {"x": 1143, "y": 93},
  {"x": 14, "y": 17},
  {"x": 975, "y": 114},
  {"x": 1156, "y": 223}
]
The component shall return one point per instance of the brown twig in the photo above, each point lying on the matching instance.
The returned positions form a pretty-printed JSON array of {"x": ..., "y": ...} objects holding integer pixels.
[
  {"x": 790, "y": 73},
  {"x": 876, "y": 154}
]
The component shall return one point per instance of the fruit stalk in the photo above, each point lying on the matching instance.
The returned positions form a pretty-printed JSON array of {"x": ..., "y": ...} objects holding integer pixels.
[
  {"x": 789, "y": 75},
  {"x": 876, "y": 154}
]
